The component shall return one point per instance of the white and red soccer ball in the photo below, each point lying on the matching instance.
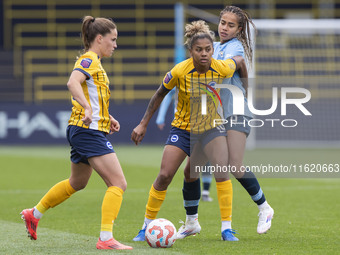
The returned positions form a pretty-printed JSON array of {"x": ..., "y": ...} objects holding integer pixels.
[{"x": 160, "y": 233}]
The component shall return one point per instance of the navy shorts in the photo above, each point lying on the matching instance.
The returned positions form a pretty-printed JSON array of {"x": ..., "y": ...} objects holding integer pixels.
[
  {"x": 186, "y": 141},
  {"x": 86, "y": 143},
  {"x": 238, "y": 123},
  {"x": 208, "y": 136},
  {"x": 179, "y": 138}
]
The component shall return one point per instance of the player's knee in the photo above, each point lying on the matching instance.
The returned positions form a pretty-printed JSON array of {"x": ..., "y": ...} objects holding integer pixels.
[
  {"x": 191, "y": 176},
  {"x": 235, "y": 167},
  {"x": 221, "y": 179},
  {"x": 77, "y": 184},
  {"x": 123, "y": 185},
  {"x": 119, "y": 182},
  {"x": 164, "y": 179},
  {"x": 235, "y": 161}
]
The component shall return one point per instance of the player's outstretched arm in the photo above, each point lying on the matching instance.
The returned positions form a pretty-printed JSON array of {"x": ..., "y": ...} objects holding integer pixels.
[
  {"x": 241, "y": 67},
  {"x": 160, "y": 121},
  {"x": 138, "y": 133}
]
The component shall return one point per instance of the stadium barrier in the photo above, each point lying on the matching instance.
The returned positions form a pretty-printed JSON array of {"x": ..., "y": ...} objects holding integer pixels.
[{"x": 46, "y": 124}]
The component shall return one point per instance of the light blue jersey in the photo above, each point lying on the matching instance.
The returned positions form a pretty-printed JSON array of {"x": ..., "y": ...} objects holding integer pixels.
[
  {"x": 224, "y": 51},
  {"x": 164, "y": 107}
]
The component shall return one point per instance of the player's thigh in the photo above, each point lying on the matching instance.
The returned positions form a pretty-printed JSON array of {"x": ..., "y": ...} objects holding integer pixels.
[
  {"x": 171, "y": 160},
  {"x": 109, "y": 169},
  {"x": 217, "y": 153},
  {"x": 196, "y": 163},
  {"x": 236, "y": 145}
]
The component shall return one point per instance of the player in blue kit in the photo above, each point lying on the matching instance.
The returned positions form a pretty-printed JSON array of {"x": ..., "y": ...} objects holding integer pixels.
[{"x": 234, "y": 32}]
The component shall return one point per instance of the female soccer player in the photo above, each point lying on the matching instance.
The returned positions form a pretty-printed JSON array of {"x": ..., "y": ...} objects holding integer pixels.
[
  {"x": 197, "y": 71},
  {"x": 234, "y": 32},
  {"x": 160, "y": 121},
  {"x": 89, "y": 124}
]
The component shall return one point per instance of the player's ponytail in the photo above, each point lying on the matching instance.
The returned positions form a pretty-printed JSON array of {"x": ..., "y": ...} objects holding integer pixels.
[
  {"x": 197, "y": 30},
  {"x": 91, "y": 27},
  {"x": 244, "y": 21}
]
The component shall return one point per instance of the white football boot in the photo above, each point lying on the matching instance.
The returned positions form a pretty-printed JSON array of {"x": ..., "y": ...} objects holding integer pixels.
[
  {"x": 190, "y": 227},
  {"x": 265, "y": 220}
]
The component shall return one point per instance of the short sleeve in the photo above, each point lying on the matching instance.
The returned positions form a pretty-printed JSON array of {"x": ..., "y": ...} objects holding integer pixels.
[
  {"x": 87, "y": 66},
  {"x": 170, "y": 80},
  {"x": 229, "y": 67},
  {"x": 234, "y": 49}
]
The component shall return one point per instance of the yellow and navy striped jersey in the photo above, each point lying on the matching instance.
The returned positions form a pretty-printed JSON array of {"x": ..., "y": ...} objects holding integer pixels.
[
  {"x": 190, "y": 86},
  {"x": 97, "y": 92}
]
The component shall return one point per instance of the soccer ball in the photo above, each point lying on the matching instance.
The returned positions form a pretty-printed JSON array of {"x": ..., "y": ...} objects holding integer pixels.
[{"x": 160, "y": 233}]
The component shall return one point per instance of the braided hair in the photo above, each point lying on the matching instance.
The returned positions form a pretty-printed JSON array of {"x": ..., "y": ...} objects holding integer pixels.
[{"x": 244, "y": 20}]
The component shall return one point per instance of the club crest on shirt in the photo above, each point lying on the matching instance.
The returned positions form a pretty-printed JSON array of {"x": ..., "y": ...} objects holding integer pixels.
[
  {"x": 212, "y": 86},
  {"x": 86, "y": 62},
  {"x": 232, "y": 65},
  {"x": 221, "y": 54},
  {"x": 168, "y": 77}
]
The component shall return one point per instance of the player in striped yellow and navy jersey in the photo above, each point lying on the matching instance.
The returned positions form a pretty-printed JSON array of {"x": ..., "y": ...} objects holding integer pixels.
[
  {"x": 191, "y": 128},
  {"x": 97, "y": 93},
  {"x": 234, "y": 32},
  {"x": 189, "y": 84},
  {"x": 89, "y": 124}
]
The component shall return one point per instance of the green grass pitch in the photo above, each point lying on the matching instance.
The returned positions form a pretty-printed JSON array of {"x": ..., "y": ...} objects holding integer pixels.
[{"x": 307, "y": 211}]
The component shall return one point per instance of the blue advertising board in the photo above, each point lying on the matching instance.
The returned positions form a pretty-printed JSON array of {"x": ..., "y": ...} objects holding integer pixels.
[{"x": 46, "y": 124}]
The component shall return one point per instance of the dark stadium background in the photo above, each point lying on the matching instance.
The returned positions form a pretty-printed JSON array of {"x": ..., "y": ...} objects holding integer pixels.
[{"x": 33, "y": 84}]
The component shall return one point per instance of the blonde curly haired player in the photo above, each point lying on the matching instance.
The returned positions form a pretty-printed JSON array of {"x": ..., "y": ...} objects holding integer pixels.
[
  {"x": 186, "y": 134},
  {"x": 234, "y": 32}
]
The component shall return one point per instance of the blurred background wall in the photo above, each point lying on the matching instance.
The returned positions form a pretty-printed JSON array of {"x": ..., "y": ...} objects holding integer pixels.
[{"x": 39, "y": 41}]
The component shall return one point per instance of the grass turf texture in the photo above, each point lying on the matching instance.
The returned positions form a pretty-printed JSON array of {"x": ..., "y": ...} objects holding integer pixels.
[{"x": 306, "y": 221}]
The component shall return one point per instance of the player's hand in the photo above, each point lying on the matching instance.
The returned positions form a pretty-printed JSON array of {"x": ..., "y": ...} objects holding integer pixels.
[
  {"x": 161, "y": 126},
  {"x": 87, "y": 120},
  {"x": 138, "y": 134},
  {"x": 114, "y": 125}
]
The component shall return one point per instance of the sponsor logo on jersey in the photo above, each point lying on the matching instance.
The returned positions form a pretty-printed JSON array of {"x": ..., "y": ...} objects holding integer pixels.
[
  {"x": 168, "y": 77},
  {"x": 86, "y": 62}
]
